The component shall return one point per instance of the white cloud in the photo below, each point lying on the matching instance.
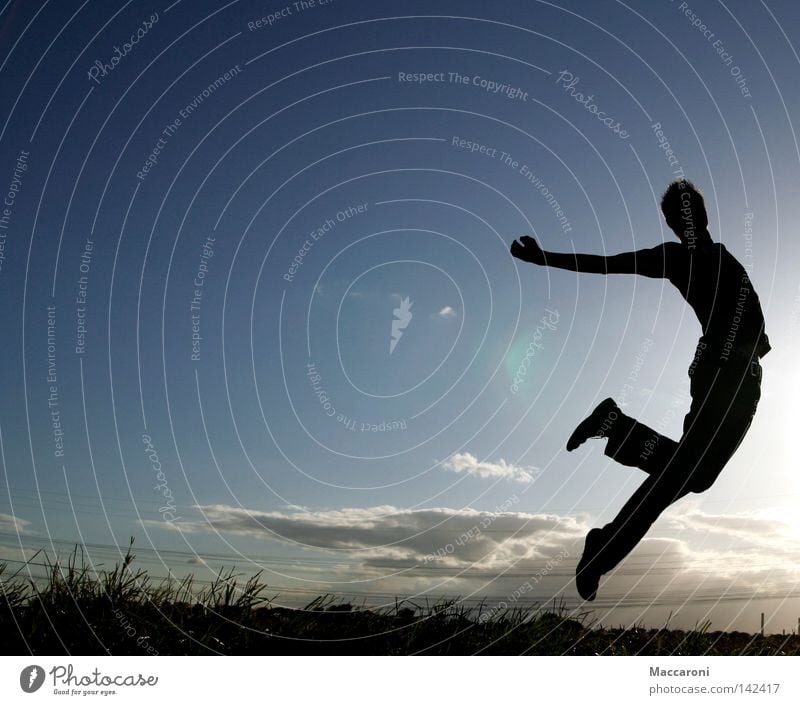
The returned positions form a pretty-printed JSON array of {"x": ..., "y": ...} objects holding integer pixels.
[
  {"x": 389, "y": 537},
  {"x": 8, "y": 522},
  {"x": 744, "y": 526},
  {"x": 393, "y": 551},
  {"x": 447, "y": 312},
  {"x": 741, "y": 544},
  {"x": 469, "y": 464},
  {"x": 746, "y": 548}
]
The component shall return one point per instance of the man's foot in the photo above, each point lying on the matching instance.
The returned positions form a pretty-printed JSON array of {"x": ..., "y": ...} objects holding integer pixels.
[
  {"x": 587, "y": 574},
  {"x": 595, "y": 424}
]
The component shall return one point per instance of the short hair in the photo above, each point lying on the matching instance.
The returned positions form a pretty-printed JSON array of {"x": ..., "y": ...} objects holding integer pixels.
[{"x": 685, "y": 210}]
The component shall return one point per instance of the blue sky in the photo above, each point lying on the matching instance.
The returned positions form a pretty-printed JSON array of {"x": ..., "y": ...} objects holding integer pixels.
[{"x": 227, "y": 216}]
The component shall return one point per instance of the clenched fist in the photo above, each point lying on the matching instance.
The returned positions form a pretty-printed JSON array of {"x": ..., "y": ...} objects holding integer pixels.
[{"x": 528, "y": 250}]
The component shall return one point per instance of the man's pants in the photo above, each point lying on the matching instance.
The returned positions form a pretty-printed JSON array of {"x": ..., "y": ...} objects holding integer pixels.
[{"x": 724, "y": 399}]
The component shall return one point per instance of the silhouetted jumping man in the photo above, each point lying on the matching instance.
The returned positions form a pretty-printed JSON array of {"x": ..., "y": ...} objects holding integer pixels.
[{"x": 725, "y": 376}]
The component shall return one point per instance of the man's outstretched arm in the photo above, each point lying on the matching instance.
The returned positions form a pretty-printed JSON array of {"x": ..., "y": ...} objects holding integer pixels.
[{"x": 648, "y": 263}]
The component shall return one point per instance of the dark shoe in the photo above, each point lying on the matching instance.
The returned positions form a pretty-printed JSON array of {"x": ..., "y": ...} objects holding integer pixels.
[
  {"x": 595, "y": 424},
  {"x": 587, "y": 574}
]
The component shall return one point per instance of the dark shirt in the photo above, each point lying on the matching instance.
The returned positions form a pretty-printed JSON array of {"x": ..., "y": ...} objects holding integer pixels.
[{"x": 717, "y": 287}]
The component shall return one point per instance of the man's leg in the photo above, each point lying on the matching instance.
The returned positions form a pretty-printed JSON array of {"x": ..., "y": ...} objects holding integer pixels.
[
  {"x": 618, "y": 538},
  {"x": 606, "y": 547},
  {"x": 721, "y": 413},
  {"x": 636, "y": 445},
  {"x": 629, "y": 442}
]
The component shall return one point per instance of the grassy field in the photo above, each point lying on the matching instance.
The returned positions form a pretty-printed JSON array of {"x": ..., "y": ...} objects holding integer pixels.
[{"x": 125, "y": 612}]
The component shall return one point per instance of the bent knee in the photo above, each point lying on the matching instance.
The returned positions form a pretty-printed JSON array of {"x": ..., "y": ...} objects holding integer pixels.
[{"x": 702, "y": 483}]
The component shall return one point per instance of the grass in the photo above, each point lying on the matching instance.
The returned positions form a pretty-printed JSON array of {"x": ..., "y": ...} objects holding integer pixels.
[{"x": 124, "y": 611}]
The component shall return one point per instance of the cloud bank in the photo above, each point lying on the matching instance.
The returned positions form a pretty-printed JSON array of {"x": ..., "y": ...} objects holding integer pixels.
[{"x": 469, "y": 464}]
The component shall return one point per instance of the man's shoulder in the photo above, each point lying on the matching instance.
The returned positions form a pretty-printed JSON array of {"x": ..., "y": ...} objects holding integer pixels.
[
  {"x": 675, "y": 251},
  {"x": 664, "y": 249}
]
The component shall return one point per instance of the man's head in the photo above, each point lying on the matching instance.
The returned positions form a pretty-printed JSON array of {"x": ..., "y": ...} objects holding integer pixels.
[{"x": 685, "y": 212}]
